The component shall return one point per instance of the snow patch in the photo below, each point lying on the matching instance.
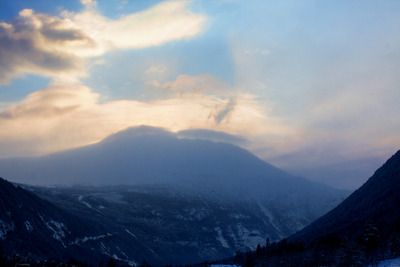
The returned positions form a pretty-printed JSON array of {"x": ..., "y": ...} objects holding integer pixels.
[
  {"x": 130, "y": 233},
  {"x": 41, "y": 217},
  {"x": 115, "y": 257},
  {"x": 114, "y": 198},
  {"x": 58, "y": 230},
  {"x": 5, "y": 228},
  {"x": 149, "y": 248},
  {"x": 198, "y": 214},
  {"x": 389, "y": 263},
  {"x": 80, "y": 241},
  {"x": 221, "y": 238},
  {"x": 28, "y": 226},
  {"x": 249, "y": 239},
  {"x": 80, "y": 198},
  {"x": 271, "y": 219}
]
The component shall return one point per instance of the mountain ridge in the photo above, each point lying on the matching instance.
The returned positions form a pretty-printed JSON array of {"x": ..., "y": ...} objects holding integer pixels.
[
  {"x": 135, "y": 151},
  {"x": 377, "y": 197}
]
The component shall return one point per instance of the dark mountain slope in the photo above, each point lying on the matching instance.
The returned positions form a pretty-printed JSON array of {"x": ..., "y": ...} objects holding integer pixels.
[
  {"x": 34, "y": 227},
  {"x": 361, "y": 231},
  {"x": 376, "y": 203}
]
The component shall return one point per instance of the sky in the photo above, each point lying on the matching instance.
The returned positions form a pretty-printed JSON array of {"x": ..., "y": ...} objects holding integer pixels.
[{"x": 312, "y": 86}]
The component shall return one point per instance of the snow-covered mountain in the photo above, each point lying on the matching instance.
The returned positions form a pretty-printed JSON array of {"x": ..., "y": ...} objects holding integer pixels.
[
  {"x": 33, "y": 227},
  {"x": 179, "y": 200}
]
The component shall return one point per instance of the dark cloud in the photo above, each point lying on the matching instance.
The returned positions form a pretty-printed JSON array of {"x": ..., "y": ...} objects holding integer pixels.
[
  {"x": 212, "y": 135},
  {"x": 41, "y": 44},
  {"x": 221, "y": 114}
]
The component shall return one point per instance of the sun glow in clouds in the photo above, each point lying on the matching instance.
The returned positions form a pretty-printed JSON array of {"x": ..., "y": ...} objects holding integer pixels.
[
  {"x": 303, "y": 86},
  {"x": 62, "y": 117}
]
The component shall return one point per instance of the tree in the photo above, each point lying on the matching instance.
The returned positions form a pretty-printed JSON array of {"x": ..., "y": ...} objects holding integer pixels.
[
  {"x": 249, "y": 260},
  {"x": 371, "y": 237},
  {"x": 258, "y": 251},
  {"x": 144, "y": 264},
  {"x": 268, "y": 243},
  {"x": 111, "y": 263},
  {"x": 395, "y": 246}
]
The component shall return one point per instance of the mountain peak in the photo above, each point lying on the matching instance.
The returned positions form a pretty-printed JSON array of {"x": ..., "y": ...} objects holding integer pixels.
[{"x": 133, "y": 132}]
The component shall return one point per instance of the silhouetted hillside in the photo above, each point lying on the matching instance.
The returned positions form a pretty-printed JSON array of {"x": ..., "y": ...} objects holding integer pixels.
[
  {"x": 33, "y": 227},
  {"x": 361, "y": 230},
  {"x": 376, "y": 203}
]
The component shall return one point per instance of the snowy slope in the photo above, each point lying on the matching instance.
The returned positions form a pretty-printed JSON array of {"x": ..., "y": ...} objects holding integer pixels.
[{"x": 389, "y": 263}]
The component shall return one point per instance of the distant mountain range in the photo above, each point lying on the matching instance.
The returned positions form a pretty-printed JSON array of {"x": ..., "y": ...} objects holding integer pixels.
[{"x": 151, "y": 195}]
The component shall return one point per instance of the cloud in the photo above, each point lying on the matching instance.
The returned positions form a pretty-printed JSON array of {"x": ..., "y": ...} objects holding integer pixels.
[
  {"x": 186, "y": 84},
  {"x": 51, "y": 102},
  {"x": 222, "y": 113},
  {"x": 212, "y": 135},
  {"x": 57, "y": 47},
  {"x": 88, "y": 2},
  {"x": 164, "y": 22},
  {"x": 156, "y": 69},
  {"x": 41, "y": 44},
  {"x": 63, "y": 117}
]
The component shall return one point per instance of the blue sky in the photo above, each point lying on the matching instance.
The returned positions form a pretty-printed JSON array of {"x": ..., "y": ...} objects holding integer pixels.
[{"x": 308, "y": 84}]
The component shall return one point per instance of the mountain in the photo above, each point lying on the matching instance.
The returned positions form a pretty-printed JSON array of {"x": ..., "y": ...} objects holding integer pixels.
[
  {"x": 169, "y": 225},
  {"x": 375, "y": 204},
  {"x": 361, "y": 231},
  {"x": 146, "y": 155},
  {"x": 131, "y": 224},
  {"x": 167, "y": 199},
  {"x": 33, "y": 227}
]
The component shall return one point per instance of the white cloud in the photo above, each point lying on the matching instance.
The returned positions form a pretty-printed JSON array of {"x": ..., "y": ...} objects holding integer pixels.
[
  {"x": 51, "y": 102},
  {"x": 205, "y": 83},
  {"x": 54, "y": 46},
  {"x": 88, "y": 2},
  {"x": 165, "y": 22},
  {"x": 156, "y": 69}
]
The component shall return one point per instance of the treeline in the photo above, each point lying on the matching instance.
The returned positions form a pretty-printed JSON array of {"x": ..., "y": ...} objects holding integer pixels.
[
  {"x": 330, "y": 250},
  {"x": 18, "y": 261}
]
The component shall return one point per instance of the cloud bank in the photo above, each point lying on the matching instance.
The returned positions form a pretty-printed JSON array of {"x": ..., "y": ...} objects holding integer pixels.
[{"x": 62, "y": 117}]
